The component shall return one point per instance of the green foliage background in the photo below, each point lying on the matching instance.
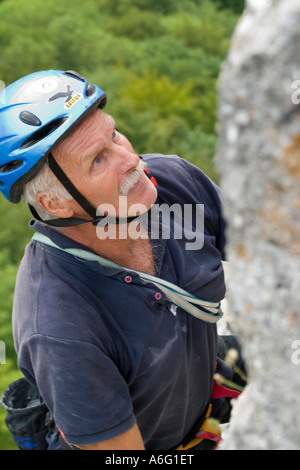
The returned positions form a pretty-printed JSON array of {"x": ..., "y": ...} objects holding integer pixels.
[{"x": 157, "y": 60}]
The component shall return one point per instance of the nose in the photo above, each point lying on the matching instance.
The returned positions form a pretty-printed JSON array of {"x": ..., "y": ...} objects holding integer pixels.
[{"x": 128, "y": 160}]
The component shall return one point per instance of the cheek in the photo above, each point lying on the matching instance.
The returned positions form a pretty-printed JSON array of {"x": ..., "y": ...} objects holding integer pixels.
[{"x": 106, "y": 190}]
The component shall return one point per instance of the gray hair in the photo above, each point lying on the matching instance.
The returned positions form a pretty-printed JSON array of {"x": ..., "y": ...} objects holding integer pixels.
[{"x": 44, "y": 181}]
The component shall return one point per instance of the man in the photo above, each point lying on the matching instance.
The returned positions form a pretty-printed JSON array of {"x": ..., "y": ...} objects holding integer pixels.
[{"x": 118, "y": 363}]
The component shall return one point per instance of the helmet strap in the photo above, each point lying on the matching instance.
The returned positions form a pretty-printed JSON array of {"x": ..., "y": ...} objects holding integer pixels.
[
  {"x": 79, "y": 198},
  {"x": 69, "y": 186}
]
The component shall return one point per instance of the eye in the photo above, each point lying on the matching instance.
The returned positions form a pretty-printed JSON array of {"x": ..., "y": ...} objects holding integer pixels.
[
  {"x": 115, "y": 134},
  {"x": 97, "y": 160}
]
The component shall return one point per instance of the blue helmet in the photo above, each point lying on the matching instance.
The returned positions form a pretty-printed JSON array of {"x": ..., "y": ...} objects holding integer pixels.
[{"x": 36, "y": 112}]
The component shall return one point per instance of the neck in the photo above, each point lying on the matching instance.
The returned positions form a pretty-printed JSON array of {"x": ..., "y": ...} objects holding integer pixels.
[{"x": 117, "y": 244}]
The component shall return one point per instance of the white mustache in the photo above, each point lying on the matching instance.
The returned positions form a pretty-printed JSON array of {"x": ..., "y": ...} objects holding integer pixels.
[{"x": 132, "y": 179}]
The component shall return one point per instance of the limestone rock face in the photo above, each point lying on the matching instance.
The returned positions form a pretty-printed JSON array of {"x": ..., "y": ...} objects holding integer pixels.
[{"x": 258, "y": 160}]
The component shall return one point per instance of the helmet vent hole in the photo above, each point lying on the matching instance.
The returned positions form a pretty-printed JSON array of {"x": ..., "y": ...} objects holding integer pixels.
[
  {"x": 74, "y": 74},
  {"x": 43, "y": 133},
  {"x": 90, "y": 89},
  {"x": 11, "y": 166},
  {"x": 29, "y": 118},
  {"x": 103, "y": 102}
]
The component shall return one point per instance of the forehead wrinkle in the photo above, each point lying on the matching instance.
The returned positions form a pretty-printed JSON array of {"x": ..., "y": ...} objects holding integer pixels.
[
  {"x": 70, "y": 143},
  {"x": 82, "y": 136}
]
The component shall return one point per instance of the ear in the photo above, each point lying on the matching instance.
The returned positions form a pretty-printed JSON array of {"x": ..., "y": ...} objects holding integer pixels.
[{"x": 55, "y": 206}]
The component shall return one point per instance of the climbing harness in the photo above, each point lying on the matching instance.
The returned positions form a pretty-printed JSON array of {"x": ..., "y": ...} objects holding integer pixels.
[{"x": 209, "y": 429}]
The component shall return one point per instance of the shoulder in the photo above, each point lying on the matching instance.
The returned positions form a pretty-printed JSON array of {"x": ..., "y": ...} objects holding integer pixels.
[
  {"x": 185, "y": 180},
  {"x": 162, "y": 163},
  {"x": 51, "y": 288}
]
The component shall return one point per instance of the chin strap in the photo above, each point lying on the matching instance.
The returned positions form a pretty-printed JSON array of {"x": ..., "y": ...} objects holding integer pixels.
[{"x": 82, "y": 201}]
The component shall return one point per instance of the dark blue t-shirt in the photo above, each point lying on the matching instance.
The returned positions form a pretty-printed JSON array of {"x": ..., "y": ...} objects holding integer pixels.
[{"x": 107, "y": 349}]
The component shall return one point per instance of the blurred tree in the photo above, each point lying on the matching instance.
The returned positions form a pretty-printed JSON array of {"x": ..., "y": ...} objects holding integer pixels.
[
  {"x": 135, "y": 24},
  {"x": 29, "y": 40},
  {"x": 76, "y": 42},
  {"x": 183, "y": 63},
  {"x": 237, "y": 6},
  {"x": 122, "y": 6},
  {"x": 14, "y": 232},
  {"x": 160, "y": 94},
  {"x": 204, "y": 27},
  {"x": 8, "y": 274},
  {"x": 25, "y": 54}
]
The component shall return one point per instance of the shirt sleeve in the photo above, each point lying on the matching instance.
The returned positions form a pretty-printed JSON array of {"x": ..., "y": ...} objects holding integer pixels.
[{"x": 82, "y": 387}]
